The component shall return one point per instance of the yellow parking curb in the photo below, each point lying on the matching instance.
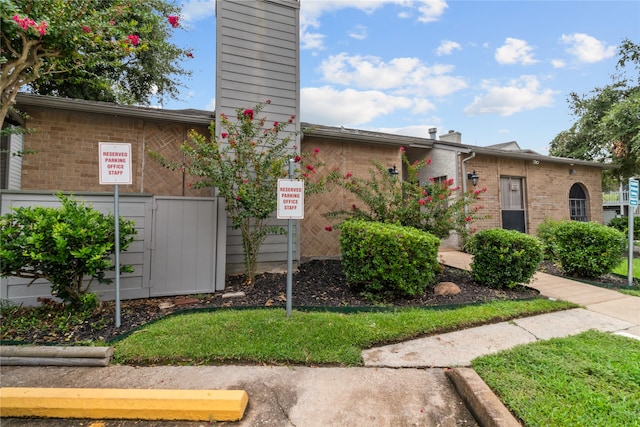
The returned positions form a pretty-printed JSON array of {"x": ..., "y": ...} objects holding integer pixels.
[{"x": 191, "y": 405}]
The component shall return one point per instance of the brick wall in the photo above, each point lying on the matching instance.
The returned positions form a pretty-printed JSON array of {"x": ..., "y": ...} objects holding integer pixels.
[
  {"x": 345, "y": 157},
  {"x": 66, "y": 158},
  {"x": 546, "y": 189}
]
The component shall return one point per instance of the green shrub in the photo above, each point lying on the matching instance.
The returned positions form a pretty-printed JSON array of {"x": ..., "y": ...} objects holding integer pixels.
[
  {"x": 622, "y": 224},
  {"x": 388, "y": 260},
  {"x": 546, "y": 234},
  {"x": 504, "y": 258},
  {"x": 62, "y": 245},
  {"x": 587, "y": 249}
]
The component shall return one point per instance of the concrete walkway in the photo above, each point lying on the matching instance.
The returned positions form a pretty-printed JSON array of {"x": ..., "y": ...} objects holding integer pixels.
[
  {"x": 604, "y": 310},
  {"x": 424, "y": 392}
]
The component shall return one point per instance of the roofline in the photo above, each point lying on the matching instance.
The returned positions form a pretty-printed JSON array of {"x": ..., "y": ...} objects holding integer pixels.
[
  {"x": 330, "y": 132},
  {"x": 539, "y": 157},
  {"x": 364, "y": 136},
  {"x": 112, "y": 109}
]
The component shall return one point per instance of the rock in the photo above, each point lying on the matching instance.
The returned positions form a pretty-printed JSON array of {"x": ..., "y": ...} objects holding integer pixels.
[
  {"x": 446, "y": 288},
  {"x": 186, "y": 301},
  {"x": 165, "y": 305},
  {"x": 238, "y": 294}
]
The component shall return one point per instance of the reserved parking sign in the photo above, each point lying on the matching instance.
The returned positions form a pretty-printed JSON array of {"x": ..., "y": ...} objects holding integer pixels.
[{"x": 115, "y": 163}]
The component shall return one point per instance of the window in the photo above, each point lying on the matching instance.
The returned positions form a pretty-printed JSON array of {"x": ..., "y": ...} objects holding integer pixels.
[{"x": 578, "y": 203}]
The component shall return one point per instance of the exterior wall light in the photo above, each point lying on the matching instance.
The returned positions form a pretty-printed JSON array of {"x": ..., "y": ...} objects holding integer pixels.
[
  {"x": 393, "y": 171},
  {"x": 473, "y": 177}
]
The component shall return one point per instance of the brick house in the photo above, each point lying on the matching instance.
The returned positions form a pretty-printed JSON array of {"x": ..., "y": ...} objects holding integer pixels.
[{"x": 522, "y": 187}]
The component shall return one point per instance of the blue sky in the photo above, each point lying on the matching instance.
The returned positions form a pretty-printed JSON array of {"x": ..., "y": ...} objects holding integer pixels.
[{"x": 496, "y": 71}]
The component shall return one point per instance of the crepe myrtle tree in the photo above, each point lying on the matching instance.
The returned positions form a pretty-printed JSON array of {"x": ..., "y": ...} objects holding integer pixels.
[
  {"x": 244, "y": 164},
  {"x": 106, "y": 50},
  {"x": 439, "y": 208}
]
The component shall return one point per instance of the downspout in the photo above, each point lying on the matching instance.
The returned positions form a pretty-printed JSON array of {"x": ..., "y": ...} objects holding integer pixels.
[
  {"x": 464, "y": 173},
  {"x": 464, "y": 183}
]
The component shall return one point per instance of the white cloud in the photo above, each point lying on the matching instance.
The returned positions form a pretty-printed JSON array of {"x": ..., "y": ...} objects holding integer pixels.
[
  {"x": 586, "y": 48},
  {"x": 447, "y": 47},
  {"x": 402, "y": 76},
  {"x": 431, "y": 10},
  {"x": 518, "y": 95},
  {"x": 515, "y": 51},
  {"x": 211, "y": 105},
  {"x": 359, "y": 32},
  {"x": 420, "y": 131},
  {"x": 194, "y": 10},
  {"x": 349, "y": 107},
  {"x": 312, "y": 10},
  {"x": 558, "y": 63}
]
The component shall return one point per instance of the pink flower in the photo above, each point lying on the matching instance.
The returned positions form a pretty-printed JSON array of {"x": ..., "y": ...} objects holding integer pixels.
[
  {"x": 297, "y": 159},
  {"x": 354, "y": 207},
  {"x": 248, "y": 113},
  {"x": 316, "y": 150},
  {"x": 429, "y": 198},
  {"x": 311, "y": 168},
  {"x": 268, "y": 101},
  {"x": 422, "y": 202},
  {"x": 328, "y": 228},
  {"x": 133, "y": 39},
  {"x": 468, "y": 219},
  {"x": 291, "y": 119},
  {"x": 224, "y": 135},
  {"x": 402, "y": 149},
  {"x": 189, "y": 54},
  {"x": 275, "y": 124},
  {"x": 173, "y": 21},
  {"x": 86, "y": 29},
  {"x": 42, "y": 28},
  {"x": 428, "y": 161},
  {"x": 348, "y": 175}
]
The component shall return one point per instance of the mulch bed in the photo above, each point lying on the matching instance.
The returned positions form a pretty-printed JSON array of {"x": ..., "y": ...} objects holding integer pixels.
[{"x": 318, "y": 284}]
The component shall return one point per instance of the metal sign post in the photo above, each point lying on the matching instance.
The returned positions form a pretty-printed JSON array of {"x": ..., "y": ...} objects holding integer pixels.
[
  {"x": 290, "y": 206},
  {"x": 115, "y": 168},
  {"x": 633, "y": 202}
]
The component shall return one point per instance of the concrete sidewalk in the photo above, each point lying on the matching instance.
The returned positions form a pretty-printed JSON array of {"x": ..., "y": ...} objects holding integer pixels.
[
  {"x": 378, "y": 394},
  {"x": 594, "y": 298},
  {"x": 605, "y": 310}
]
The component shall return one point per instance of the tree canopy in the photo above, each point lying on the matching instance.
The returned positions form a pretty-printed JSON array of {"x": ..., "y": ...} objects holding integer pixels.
[
  {"x": 106, "y": 50},
  {"x": 607, "y": 128}
]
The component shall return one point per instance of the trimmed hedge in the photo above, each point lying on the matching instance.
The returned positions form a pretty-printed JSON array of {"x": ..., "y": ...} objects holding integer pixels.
[
  {"x": 388, "y": 260},
  {"x": 588, "y": 249},
  {"x": 504, "y": 258},
  {"x": 546, "y": 233}
]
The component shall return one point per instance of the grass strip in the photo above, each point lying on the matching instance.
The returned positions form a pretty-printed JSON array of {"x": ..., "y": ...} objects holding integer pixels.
[
  {"x": 309, "y": 338},
  {"x": 589, "y": 379}
]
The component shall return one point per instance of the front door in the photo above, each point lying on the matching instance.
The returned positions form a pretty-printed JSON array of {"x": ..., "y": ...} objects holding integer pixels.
[{"x": 512, "y": 203}]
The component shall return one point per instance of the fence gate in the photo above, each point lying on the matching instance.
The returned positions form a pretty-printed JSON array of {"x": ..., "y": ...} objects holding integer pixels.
[{"x": 184, "y": 246}]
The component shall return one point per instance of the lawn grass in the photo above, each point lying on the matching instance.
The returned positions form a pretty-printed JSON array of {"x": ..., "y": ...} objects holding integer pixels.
[
  {"x": 624, "y": 265},
  {"x": 622, "y": 271},
  {"x": 591, "y": 379},
  {"x": 306, "y": 337}
]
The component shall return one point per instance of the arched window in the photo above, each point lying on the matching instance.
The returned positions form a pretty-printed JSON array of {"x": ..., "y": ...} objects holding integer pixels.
[{"x": 578, "y": 203}]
